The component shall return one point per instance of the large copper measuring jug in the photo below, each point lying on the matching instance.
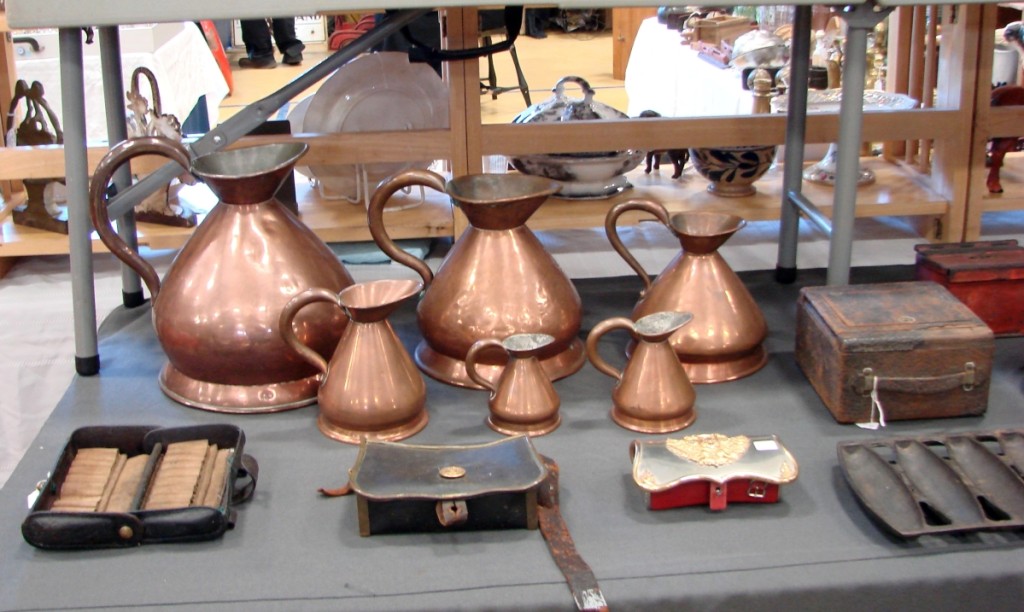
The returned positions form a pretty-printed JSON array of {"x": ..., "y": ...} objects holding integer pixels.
[
  {"x": 216, "y": 311},
  {"x": 497, "y": 280},
  {"x": 724, "y": 340}
]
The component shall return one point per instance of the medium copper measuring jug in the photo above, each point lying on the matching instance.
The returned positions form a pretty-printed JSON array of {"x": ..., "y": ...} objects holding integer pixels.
[
  {"x": 216, "y": 311},
  {"x": 523, "y": 400},
  {"x": 370, "y": 388},
  {"x": 653, "y": 393},
  {"x": 497, "y": 280},
  {"x": 724, "y": 342}
]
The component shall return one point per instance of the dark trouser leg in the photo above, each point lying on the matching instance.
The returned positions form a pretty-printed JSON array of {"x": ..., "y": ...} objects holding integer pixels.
[
  {"x": 284, "y": 36},
  {"x": 256, "y": 36}
]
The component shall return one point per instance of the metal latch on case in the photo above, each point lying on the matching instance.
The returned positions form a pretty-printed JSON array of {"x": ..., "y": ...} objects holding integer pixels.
[{"x": 757, "y": 489}]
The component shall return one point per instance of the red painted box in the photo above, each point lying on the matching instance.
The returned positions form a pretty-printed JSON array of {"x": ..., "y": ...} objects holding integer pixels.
[
  {"x": 986, "y": 276},
  {"x": 711, "y": 469}
]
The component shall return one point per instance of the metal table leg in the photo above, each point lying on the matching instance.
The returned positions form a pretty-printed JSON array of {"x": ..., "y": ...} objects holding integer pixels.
[
  {"x": 859, "y": 20},
  {"x": 796, "y": 129},
  {"x": 76, "y": 173},
  {"x": 117, "y": 130}
]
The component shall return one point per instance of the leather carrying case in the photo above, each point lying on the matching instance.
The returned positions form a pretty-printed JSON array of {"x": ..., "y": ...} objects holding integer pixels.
[
  {"x": 988, "y": 277},
  {"x": 910, "y": 348},
  {"x": 50, "y": 527},
  {"x": 412, "y": 488},
  {"x": 407, "y": 488}
]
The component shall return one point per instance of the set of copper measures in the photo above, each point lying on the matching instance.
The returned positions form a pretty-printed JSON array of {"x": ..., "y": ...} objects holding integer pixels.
[{"x": 256, "y": 314}]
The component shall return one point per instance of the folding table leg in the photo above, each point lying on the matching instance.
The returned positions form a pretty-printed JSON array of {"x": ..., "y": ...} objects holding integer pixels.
[{"x": 76, "y": 173}]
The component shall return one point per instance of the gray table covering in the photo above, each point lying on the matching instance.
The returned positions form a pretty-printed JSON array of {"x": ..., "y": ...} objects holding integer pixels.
[{"x": 294, "y": 550}]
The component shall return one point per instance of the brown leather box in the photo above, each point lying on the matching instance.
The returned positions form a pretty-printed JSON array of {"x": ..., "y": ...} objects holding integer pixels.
[
  {"x": 987, "y": 276},
  {"x": 916, "y": 348}
]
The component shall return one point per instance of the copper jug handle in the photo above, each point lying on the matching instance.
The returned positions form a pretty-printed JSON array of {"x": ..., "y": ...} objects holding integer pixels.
[
  {"x": 612, "y": 231},
  {"x": 375, "y": 216},
  {"x": 471, "y": 361},
  {"x": 117, "y": 156},
  {"x": 594, "y": 336},
  {"x": 291, "y": 310}
]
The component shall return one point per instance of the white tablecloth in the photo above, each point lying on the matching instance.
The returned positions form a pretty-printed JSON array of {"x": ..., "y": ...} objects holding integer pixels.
[
  {"x": 666, "y": 75},
  {"x": 180, "y": 59}
]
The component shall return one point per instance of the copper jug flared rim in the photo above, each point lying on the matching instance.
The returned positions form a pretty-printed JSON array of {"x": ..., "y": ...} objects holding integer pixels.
[
  {"x": 706, "y": 224},
  {"x": 523, "y": 344},
  {"x": 661, "y": 323},
  {"x": 375, "y": 300},
  {"x": 497, "y": 189},
  {"x": 703, "y": 232},
  {"x": 248, "y": 161}
]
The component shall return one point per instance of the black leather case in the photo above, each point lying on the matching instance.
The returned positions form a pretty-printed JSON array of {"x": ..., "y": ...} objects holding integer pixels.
[
  {"x": 412, "y": 488},
  {"x": 49, "y": 529}
]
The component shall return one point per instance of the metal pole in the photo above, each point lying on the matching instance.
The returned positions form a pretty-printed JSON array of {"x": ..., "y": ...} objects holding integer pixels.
[
  {"x": 76, "y": 175},
  {"x": 796, "y": 129},
  {"x": 859, "y": 20},
  {"x": 817, "y": 218},
  {"x": 117, "y": 130}
]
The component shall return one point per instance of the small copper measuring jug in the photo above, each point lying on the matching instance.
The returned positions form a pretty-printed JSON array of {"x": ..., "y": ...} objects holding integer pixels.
[
  {"x": 653, "y": 393},
  {"x": 371, "y": 388},
  {"x": 523, "y": 400}
]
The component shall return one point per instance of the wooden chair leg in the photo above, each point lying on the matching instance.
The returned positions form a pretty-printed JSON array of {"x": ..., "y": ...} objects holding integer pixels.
[{"x": 523, "y": 87}]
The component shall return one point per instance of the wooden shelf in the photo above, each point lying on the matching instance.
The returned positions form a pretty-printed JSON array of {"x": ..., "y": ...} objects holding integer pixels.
[
  {"x": 897, "y": 191},
  {"x": 331, "y": 220}
]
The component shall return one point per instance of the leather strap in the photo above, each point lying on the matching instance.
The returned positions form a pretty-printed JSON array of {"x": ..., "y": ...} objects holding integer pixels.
[{"x": 581, "y": 579}]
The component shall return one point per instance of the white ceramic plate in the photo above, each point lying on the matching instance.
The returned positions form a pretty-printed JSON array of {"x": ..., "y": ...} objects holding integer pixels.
[
  {"x": 296, "y": 115},
  {"x": 829, "y": 100},
  {"x": 374, "y": 92}
]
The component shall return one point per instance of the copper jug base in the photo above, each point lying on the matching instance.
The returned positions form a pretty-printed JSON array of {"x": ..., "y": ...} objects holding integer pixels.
[
  {"x": 453, "y": 371},
  {"x": 530, "y": 429},
  {"x": 721, "y": 371},
  {"x": 238, "y": 399},
  {"x": 356, "y": 436},
  {"x": 656, "y": 426}
]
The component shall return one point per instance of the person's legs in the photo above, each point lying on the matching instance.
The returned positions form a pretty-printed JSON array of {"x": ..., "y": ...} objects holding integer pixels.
[
  {"x": 289, "y": 46},
  {"x": 258, "y": 47}
]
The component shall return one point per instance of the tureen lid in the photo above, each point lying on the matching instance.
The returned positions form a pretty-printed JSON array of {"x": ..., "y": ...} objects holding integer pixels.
[{"x": 560, "y": 107}]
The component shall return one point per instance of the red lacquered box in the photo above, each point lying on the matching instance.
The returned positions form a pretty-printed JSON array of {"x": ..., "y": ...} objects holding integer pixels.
[
  {"x": 711, "y": 469},
  {"x": 986, "y": 276}
]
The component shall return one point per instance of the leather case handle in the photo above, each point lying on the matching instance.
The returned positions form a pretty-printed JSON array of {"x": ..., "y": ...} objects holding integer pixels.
[
  {"x": 245, "y": 480},
  {"x": 967, "y": 379}
]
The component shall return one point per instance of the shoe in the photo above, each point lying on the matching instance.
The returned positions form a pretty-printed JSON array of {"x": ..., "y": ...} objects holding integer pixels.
[
  {"x": 293, "y": 59},
  {"x": 258, "y": 62}
]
